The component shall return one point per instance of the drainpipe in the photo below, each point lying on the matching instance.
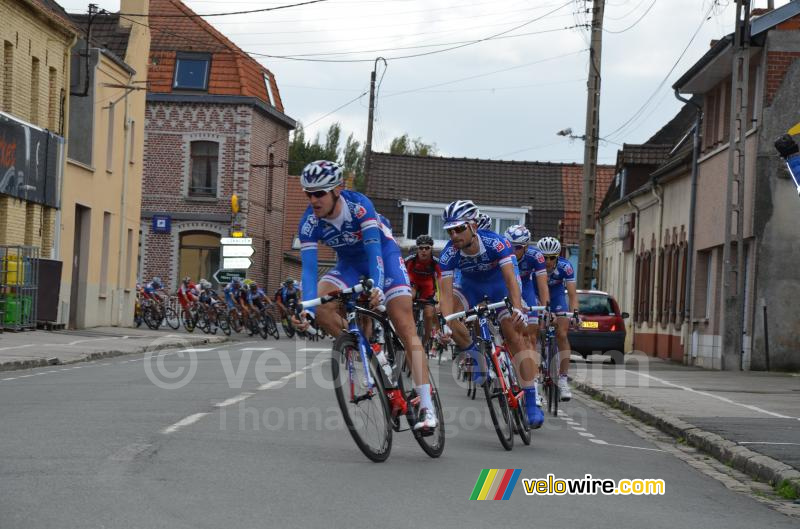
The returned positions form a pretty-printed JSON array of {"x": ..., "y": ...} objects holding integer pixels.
[
  {"x": 689, "y": 306},
  {"x": 634, "y": 309},
  {"x": 658, "y": 193},
  {"x": 123, "y": 203}
]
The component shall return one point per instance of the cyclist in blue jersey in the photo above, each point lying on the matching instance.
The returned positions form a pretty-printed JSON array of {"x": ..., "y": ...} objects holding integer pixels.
[
  {"x": 256, "y": 297},
  {"x": 232, "y": 293},
  {"x": 347, "y": 222},
  {"x": 533, "y": 274},
  {"x": 561, "y": 275},
  {"x": 286, "y": 294},
  {"x": 488, "y": 268}
]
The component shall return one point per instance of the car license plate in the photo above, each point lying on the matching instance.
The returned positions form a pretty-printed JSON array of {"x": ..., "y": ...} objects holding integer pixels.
[{"x": 589, "y": 325}]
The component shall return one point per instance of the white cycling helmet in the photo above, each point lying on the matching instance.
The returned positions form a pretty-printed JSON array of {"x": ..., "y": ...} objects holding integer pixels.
[
  {"x": 484, "y": 222},
  {"x": 458, "y": 213},
  {"x": 518, "y": 234},
  {"x": 321, "y": 175},
  {"x": 549, "y": 246}
]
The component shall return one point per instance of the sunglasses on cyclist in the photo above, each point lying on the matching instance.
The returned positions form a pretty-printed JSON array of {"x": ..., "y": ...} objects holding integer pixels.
[
  {"x": 519, "y": 246},
  {"x": 316, "y": 194},
  {"x": 457, "y": 229},
  {"x": 551, "y": 257},
  {"x": 423, "y": 247}
]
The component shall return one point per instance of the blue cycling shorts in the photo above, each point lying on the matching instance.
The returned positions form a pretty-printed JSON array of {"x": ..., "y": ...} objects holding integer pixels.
[
  {"x": 470, "y": 293},
  {"x": 531, "y": 300},
  {"x": 558, "y": 301},
  {"x": 395, "y": 276}
]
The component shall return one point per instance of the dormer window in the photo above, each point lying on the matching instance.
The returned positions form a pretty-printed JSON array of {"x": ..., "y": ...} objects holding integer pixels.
[{"x": 191, "y": 71}]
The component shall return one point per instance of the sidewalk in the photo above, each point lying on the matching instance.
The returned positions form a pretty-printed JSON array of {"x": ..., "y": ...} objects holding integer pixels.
[
  {"x": 747, "y": 419},
  {"x": 24, "y": 350}
]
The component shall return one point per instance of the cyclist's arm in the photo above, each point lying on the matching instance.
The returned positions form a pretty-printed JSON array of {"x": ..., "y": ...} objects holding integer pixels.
[
  {"x": 446, "y": 298},
  {"x": 371, "y": 236},
  {"x": 544, "y": 290},
  {"x": 510, "y": 278}
]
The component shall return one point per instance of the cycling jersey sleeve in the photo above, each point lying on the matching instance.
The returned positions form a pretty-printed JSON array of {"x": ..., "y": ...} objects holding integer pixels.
[
  {"x": 371, "y": 235},
  {"x": 568, "y": 271},
  {"x": 308, "y": 254},
  {"x": 448, "y": 261},
  {"x": 537, "y": 258}
]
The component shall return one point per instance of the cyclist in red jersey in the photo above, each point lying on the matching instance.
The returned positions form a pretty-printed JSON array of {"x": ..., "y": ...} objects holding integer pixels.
[
  {"x": 424, "y": 273},
  {"x": 187, "y": 294}
]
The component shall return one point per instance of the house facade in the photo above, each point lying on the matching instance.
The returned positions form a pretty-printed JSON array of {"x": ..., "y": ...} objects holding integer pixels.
[
  {"x": 214, "y": 127},
  {"x": 36, "y": 38},
  {"x": 101, "y": 196},
  {"x": 677, "y": 272},
  {"x": 412, "y": 191}
]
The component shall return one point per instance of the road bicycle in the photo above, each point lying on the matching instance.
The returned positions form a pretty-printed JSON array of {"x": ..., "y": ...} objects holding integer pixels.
[
  {"x": 500, "y": 383},
  {"x": 371, "y": 397}
]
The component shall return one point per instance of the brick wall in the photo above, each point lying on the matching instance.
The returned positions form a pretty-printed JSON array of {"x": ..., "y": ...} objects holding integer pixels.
[
  {"x": 778, "y": 63},
  {"x": 244, "y": 136}
]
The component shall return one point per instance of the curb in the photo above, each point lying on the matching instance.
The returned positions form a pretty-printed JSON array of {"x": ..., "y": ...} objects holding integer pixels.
[
  {"x": 88, "y": 357},
  {"x": 752, "y": 463}
]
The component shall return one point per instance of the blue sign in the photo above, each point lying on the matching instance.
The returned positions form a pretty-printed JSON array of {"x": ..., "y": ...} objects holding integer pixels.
[{"x": 161, "y": 224}]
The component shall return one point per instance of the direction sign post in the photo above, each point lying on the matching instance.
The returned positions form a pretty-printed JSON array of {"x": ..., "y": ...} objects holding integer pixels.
[
  {"x": 236, "y": 263},
  {"x": 226, "y": 276},
  {"x": 237, "y": 251}
]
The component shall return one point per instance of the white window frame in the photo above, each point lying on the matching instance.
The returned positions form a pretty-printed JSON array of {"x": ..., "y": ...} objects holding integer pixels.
[
  {"x": 268, "y": 84},
  {"x": 435, "y": 208}
]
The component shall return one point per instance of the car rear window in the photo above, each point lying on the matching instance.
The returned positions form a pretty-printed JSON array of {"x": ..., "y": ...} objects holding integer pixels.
[{"x": 596, "y": 304}]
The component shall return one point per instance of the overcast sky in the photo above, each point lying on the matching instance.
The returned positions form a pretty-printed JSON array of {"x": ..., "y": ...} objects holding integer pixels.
[{"x": 502, "y": 98}]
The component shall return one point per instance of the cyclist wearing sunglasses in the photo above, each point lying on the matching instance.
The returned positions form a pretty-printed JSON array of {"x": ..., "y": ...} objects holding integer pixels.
[
  {"x": 424, "y": 273},
  {"x": 347, "y": 222},
  {"x": 488, "y": 268},
  {"x": 533, "y": 274},
  {"x": 560, "y": 275}
]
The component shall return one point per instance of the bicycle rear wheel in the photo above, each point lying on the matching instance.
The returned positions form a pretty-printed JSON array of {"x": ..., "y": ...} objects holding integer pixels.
[
  {"x": 499, "y": 410},
  {"x": 520, "y": 412},
  {"x": 191, "y": 322},
  {"x": 151, "y": 319},
  {"x": 432, "y": 444},
  {"x": 553, "y": 366},
  {"x": 172, "y": 319},
  {"x": 365, "y": 409}
]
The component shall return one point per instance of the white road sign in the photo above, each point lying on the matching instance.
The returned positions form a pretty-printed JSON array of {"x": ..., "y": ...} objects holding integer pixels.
[
  {"x": 237, "y": 251},
  {"x": 236, "y": 240},
  {"x": 241, "y": 263}
]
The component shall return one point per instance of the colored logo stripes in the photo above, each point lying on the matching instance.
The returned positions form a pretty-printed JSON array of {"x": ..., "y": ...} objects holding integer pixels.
[{"x": 495, "y": 484}]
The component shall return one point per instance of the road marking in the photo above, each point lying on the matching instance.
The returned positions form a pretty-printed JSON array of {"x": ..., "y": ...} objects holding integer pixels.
[
  {"x": 292, "y": 375},
  {"x": 765, "y": 443},
  {"x": 586, "y": 434},
  {"x": 257, "y": 349},
  {"x": 234, "y": 400},
  {"x": 314, "y": 349},
  {"x": 190, "y": 350},
  {"x": 635, "y": 447},
  {"x": 9, "y": 378},
  {"x": 25, "y": 376},
  {"x": 598, "y": 441},
  {"x": 706, "y": 394},
  {"x": 186, "y": 421},
  {"x": 270, "y": 385},
  {"x": 578, "y": 428}
]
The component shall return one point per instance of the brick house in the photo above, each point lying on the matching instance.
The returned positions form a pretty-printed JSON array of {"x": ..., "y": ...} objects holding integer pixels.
[
  {"x": 412, "y": 191},
  {"x": 214, "y": 126},
  {"x": 676, "y": 274}
]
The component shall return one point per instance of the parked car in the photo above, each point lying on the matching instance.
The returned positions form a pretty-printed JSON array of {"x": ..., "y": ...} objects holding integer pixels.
[{"x": 602, "y": 330}]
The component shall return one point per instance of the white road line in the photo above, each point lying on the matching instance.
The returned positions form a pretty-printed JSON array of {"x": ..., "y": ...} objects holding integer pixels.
[
  {"x": 9, "y": 378},
  {"x": 202, "y": 350},
  {"x": 25, "y": 376},
  {"x": 257, "y": 349},
  {"x": 270, "y": 385},
  {"x": 764, "y": 443},
  {"x": 706, "y": 394},
  {"x": 634, "y": 447},
  {"x": 598, "y": 441},
  {"x": 234, "y": 400},
  {"x": 314, "y": 349},
  {"x": 64, "y": 369},
  {"x": 586, "y": 434},
  {"x": 578, "y": 428},
  {"x": 186, "y": 421},
  {"x": 292, "y": 375}
]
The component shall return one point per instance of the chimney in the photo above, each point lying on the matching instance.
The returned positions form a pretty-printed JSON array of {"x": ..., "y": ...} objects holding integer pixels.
[{"x": 133, "y": 7}]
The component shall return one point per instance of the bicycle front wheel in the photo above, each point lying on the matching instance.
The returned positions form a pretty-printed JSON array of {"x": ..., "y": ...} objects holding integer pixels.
[
  {"x": 499, "y": 410},
  {"x": 172, "y": 319},
  {"x": 433, "y": 443},
  {"x": 553, "y": 365},
  {"x": 365, "y": 408}
]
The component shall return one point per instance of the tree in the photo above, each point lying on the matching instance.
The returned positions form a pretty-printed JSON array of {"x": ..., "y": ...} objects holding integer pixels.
[
  {"x": 416, "y": 147},
  {"x": 354, "y": 162}
]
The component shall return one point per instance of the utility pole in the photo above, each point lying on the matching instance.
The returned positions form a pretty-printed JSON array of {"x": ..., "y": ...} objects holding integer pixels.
[
  {"x": 587, "y": 225},
  {"x": 368, "y": 150},
  {"x": 733, "y": 281}
]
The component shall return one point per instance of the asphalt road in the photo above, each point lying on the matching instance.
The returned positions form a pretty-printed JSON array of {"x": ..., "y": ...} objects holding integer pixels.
[{"x": 253, "y": 438}]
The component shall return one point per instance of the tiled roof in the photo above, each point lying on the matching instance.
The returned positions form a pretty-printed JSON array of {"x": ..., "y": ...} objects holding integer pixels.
[
  {"x": 233, "y": 72},
  {"x": 106, "y": 32},
  {"x": 572, "y": 185},
  {"x": 550, "y": 190},
  {"x": 55, "y": 10}
]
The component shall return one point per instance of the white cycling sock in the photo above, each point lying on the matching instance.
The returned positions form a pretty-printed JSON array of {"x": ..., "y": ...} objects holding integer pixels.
[{"x": 424, "y": 392}]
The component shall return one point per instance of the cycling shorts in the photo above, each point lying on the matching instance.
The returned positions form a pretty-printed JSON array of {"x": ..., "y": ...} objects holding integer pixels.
[
  {"x": 530, "y": 299},
  {"x": 395, "y": 276},
  {"x": 470, "y": 293}
]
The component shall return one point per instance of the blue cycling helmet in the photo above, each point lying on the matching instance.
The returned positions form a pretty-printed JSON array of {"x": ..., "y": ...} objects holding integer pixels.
[
  {"x": 321, "y": 175},
  {"x": 518, "y": 234},
  {"x": 236, "y": 282},
  {"x": 458, "y": 213},
  {"x": 156, "y": 282},
  {"x": 484, "y": 222}
]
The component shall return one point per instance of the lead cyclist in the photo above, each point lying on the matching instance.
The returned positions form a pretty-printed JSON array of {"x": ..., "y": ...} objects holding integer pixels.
[{"x": 347, "y": 222}]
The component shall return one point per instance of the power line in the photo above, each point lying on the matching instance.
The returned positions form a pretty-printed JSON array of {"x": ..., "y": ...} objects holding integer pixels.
[
  {"x": 663, "y": 81},
  {"x": 224, "y": 14},
  {"x": 634, "y": 24},
  {"x": 629, "y": 13},
  {"x": 337, "y": 109}
]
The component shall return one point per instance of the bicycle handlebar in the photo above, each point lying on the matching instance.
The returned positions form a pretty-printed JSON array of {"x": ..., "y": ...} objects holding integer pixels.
[
  {"x": 364, "y": 286},
  {"x": 475, "y": 310}
]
